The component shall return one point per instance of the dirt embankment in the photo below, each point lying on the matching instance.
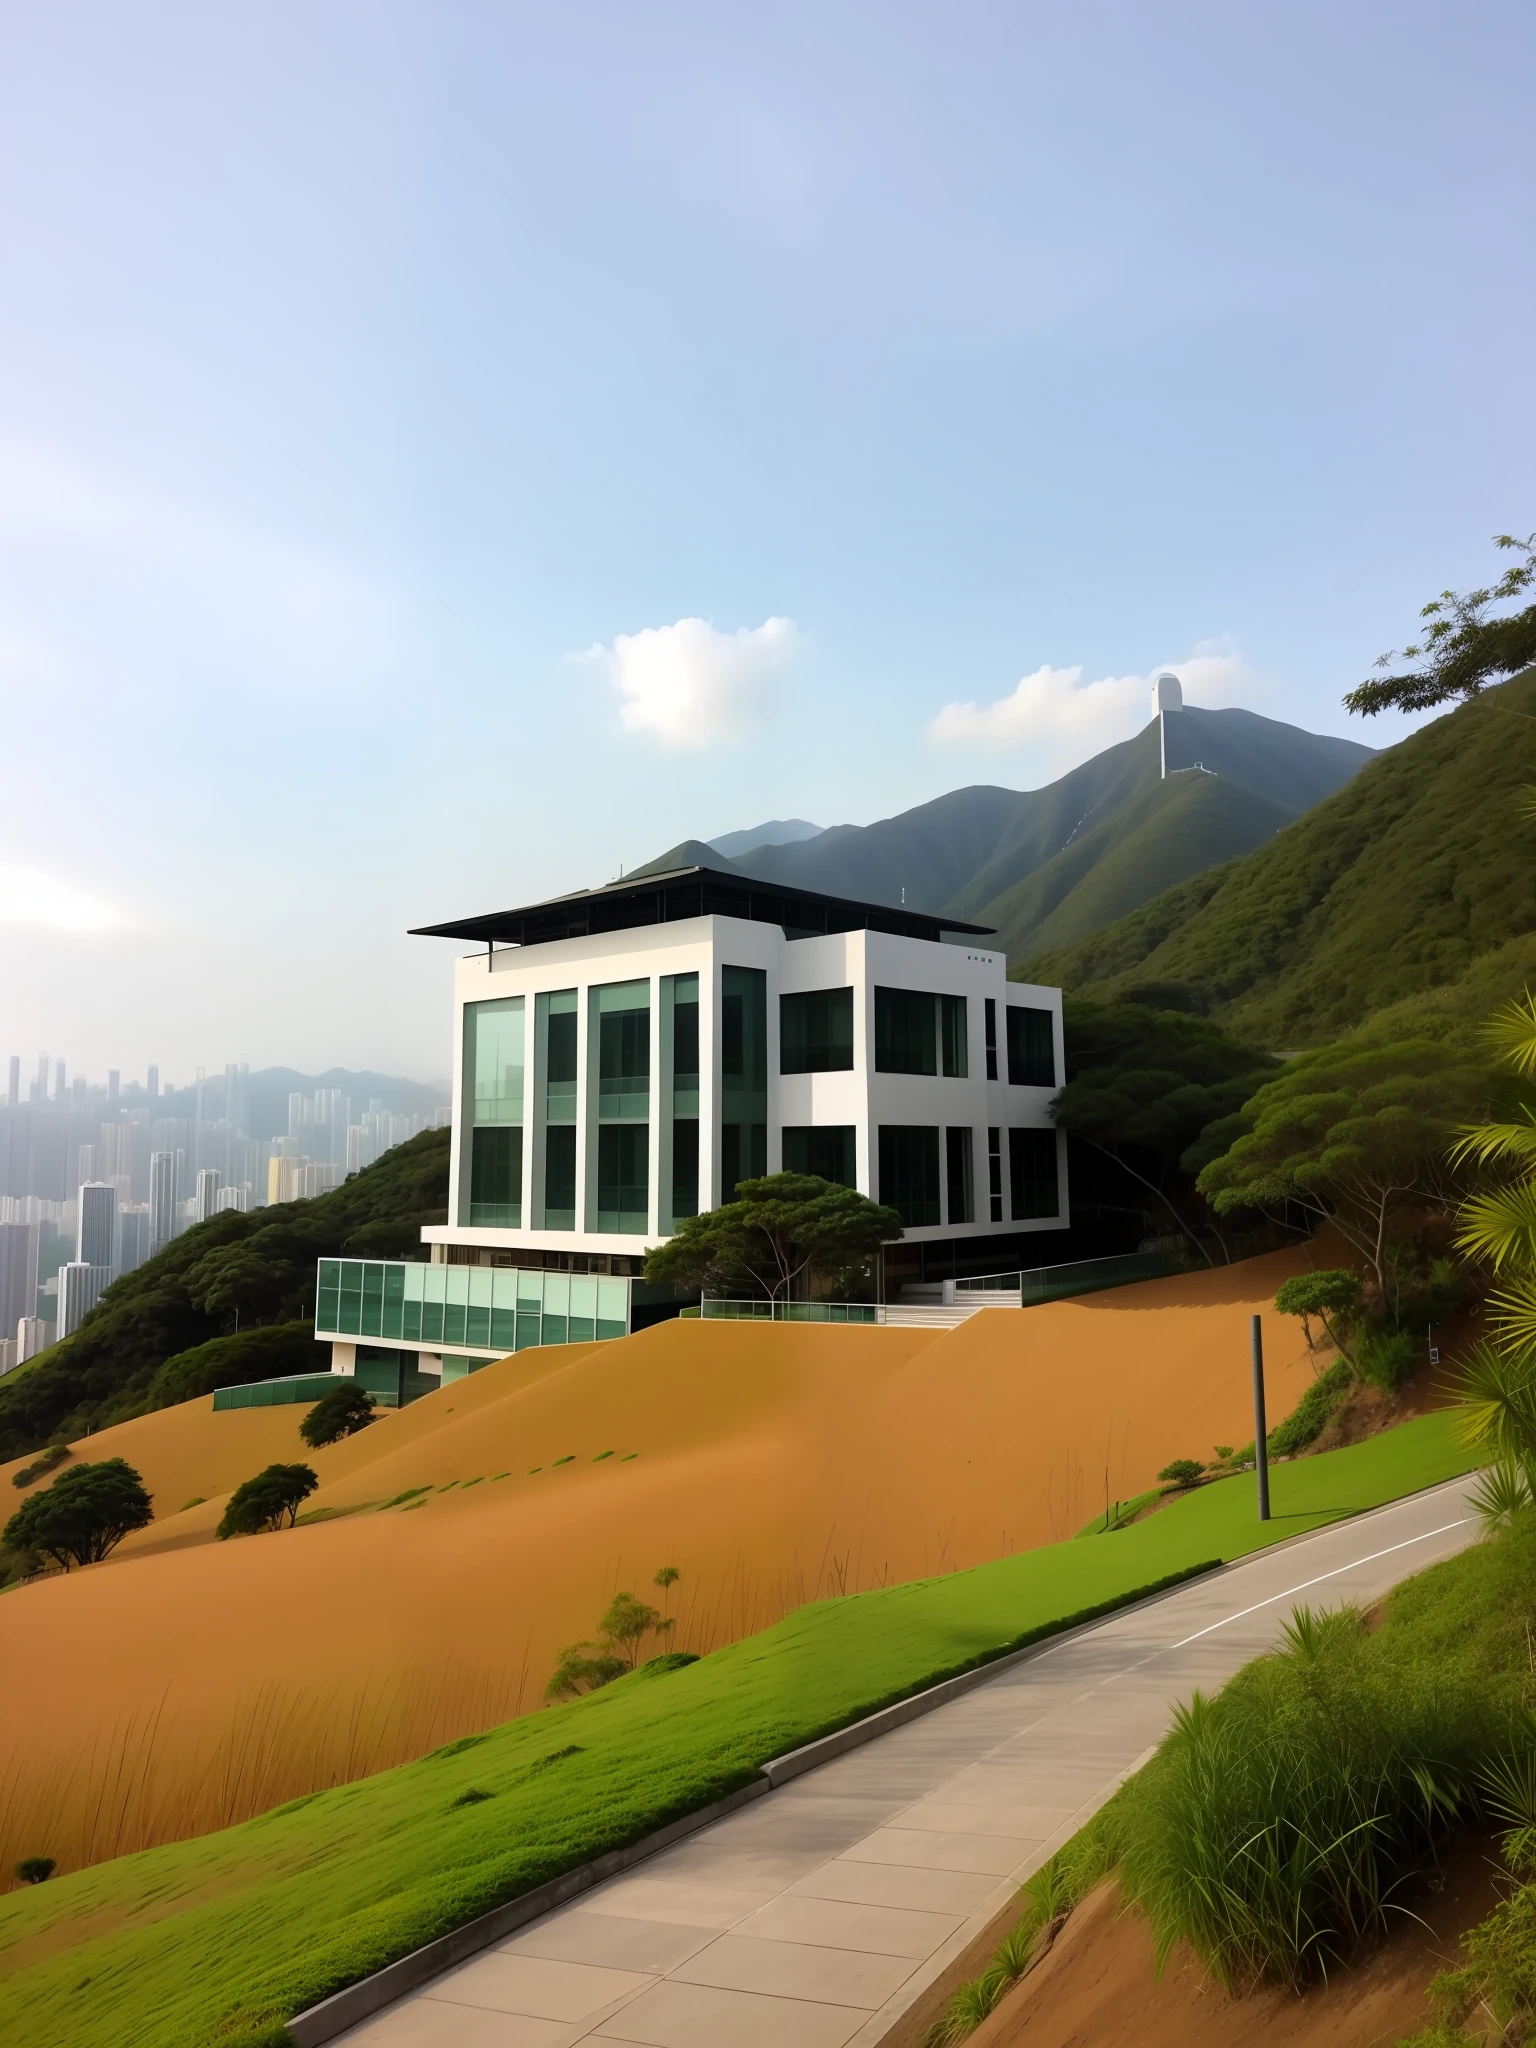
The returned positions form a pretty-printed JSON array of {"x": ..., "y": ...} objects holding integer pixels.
[{"x": 1097, "y": 1988}]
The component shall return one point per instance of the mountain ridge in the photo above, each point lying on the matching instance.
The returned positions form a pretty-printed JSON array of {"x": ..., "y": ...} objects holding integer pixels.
[{"x": 1004, "y": 857}]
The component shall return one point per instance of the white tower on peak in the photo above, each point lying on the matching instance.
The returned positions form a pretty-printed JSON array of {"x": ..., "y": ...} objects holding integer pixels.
[{"x": 1167, "y": 695}]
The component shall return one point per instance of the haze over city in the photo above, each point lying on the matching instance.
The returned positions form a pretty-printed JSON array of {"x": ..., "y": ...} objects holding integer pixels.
[{"x": 448, "y": 454}]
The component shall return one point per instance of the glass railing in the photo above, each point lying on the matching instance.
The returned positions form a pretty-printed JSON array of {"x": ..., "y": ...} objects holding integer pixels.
[
  {"x": 1086, "y": 1276},
  {"x": 790, "y": 1311}
]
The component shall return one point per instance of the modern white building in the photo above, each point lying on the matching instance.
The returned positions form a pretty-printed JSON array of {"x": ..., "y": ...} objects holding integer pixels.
[
  {"x": 81, "y": 1286},
  {"x": 33, "y": 1335},
  {"x": 625, "y": 1056}
]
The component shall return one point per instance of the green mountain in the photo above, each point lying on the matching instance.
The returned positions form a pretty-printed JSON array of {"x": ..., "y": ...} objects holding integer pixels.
[
  {"x": 1048, "y": 866},
  {"x": 1414, "y": 882}
]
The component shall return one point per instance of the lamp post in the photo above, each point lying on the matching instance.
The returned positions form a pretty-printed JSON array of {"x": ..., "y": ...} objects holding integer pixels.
[{"x": 1260, "y": 1444}]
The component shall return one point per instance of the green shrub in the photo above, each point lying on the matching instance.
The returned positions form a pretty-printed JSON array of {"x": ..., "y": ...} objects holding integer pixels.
[
  {"x": 34, "y": 1869},
  {"x": 1386, "y": 1358},
  {"x": 1279, "y": 1820},
  {"x": 1182, "y": 1472},
  {"x": 50, "y": 1460},
  {"x": 1306, "y": 1421}
]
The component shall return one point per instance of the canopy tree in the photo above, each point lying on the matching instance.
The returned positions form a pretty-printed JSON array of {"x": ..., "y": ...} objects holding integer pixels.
[
  {"x": 269, "y": 1500},
  {"x": 83, "y": 1516},
  {"x": 1150, "y": 1089},
  {"x": 780, "y": 1231},
  {"x": 1463, "y": 650},
  {"x": 1357, "y": 1134},
  {"x": 342, "y": 1412}
]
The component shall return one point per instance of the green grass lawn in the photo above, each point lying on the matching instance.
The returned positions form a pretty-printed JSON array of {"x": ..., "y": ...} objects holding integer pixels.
[{"x": 219, "y": 1940}]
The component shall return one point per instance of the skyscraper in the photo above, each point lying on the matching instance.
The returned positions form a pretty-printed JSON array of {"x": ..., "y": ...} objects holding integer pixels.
[
  {"x": 32, "y": 1335},
  {"x": 237, "y": 1098},
  {"x": 207, "y": 1192},
  {"x": 58, "y": 1080},
  {"x": 132, "y": 1236},
  {"x": 19, "y": 1246},
  {"x": 13, "y": 1092},
  {"x": 96, "y": 1230},
  {"x": 80, "y": 1288},
  {"x": 162, "y": 1200},
  {"x": 114, "y": 1076},
  {"x": 152, "y": 1086}
]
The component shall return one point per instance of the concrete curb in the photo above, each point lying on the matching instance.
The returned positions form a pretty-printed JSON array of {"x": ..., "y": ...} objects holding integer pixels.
[{"x": 360, "y": 2001}]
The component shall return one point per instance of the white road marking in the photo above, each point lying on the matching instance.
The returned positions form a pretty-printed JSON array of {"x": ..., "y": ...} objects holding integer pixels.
[{"x": 1353, "y": 1565}]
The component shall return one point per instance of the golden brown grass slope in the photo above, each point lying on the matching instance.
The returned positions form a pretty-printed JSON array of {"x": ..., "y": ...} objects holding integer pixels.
[{"x": 187, "y": 1683}]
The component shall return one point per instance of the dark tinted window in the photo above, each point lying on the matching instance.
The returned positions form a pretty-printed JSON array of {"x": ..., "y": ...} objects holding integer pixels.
[
  {"x": 816, "y": 1031},
  {"x": 685, "y": 1167},
  {"x": 906, "y": 1032},
  {"x": 1032, "y": 1174},
  {"x": 823, "y": 1149},
  {"x": 1031, "y": 1049},
  {"x": 909, "y": 1172},
  {"x": 959, "y": 1175}
]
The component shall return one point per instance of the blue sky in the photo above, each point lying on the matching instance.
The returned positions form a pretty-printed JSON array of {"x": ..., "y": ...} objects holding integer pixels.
[{"x": 383, "y": 388}]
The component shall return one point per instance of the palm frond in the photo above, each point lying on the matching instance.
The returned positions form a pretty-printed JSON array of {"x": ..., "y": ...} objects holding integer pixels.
[
  {"x": 1500, "y": 1494},
  {"x": 1512, "y": 1315},
  {"x": 1484, "y": 1142},
  {"x": 1497, "y": 1397},
  {"x": 1501, "y": 1226},
  {"x": 1511, "y": 1033}
]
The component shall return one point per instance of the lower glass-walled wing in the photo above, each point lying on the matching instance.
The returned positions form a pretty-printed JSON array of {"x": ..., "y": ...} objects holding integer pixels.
[{"x": 466, "y": 1308}]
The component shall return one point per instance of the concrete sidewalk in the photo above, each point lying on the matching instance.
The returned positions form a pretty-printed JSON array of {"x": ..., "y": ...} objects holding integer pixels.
[{"x": 814, "y": 1917}]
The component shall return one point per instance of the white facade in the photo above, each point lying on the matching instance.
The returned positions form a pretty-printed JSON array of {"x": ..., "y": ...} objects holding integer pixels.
[
  {"x": 861, "y": 1097},
  {"x": 81, "y": 1286}
]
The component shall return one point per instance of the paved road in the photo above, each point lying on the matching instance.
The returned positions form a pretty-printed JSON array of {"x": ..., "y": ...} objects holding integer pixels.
[{"x": 813, "y": 1917}]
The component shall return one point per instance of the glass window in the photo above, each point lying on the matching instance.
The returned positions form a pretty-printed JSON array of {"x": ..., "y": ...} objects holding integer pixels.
[
  {"x": 816, "y": 1032},
  {"x": 555, "y": 1017},
  {"x": 493, "y": 1045},
  {"x": 685, "y": 1168},
  {"x": 685, "y": 1030},
  {"x": 496, "y": 1176},
  {"x": 826, "y": 1150},
  {"x": 1031, "y": 1049},
  {"x": 991, "y": 1038},
  {"x": 952, "y": 1036},
  {"x": 909, "y": 1171},
  {"x": 744, "y": 1029},
  {"x": 623, "y": 1173},
  {"x": 1032, "y": 1174},
  {"x": 906, "y": 1033},
  {"x": 560, "y": 1177},
  {"x": 995, "y": 1172},
  {"x": 623, "y": 1016},
  {"x": 743, "y": 1156},
  {"x": 959, "y": 1174}
]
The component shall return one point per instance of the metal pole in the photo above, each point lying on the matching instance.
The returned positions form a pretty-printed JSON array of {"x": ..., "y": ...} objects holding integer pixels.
[{"x": 1260, "y": 1434}]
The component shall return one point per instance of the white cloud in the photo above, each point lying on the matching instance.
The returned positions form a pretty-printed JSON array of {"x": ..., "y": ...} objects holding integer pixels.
[
  {"x": 693, "y": 687},
  {"x": 31, "y": 898},
  {"x": 1056, "y": 710}
]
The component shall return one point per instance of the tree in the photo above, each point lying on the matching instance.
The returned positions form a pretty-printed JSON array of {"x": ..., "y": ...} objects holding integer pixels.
[
  {"x": 779, "y": 1230},
  {"x": 83, "y": 1516},
  {"x": 34, "y": 1869},
  {"x": 1182, "y": 1472},
  {"x": 1463, "y": 650},
  {"x": 1356, "y": 1134},
  {"x": 1333, "y": 1294},
  {"x": 1145, "y": 1087},
  {"x": 266, "y": 1501},
  {"x": 340, "y": 1413},
  {"x": 625, "y": 1624}
]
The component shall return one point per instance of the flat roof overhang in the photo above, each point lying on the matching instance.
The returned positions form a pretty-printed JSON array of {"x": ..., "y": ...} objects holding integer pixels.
[{"x": 695, "y": 892}]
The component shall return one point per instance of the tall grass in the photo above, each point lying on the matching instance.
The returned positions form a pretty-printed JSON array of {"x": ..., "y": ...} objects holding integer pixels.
[
  {"x": 1281, "y": 1822},
  {"x": 165, "y": 1775}
]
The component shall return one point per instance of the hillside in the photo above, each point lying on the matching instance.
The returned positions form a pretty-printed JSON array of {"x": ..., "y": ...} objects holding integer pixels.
[
  {"x": 234, "y": 1269},
  {"x": 1048, "y": 866},
  {"x": 483, "y": 1527},
  {"x": 1405, "y": 881}
]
